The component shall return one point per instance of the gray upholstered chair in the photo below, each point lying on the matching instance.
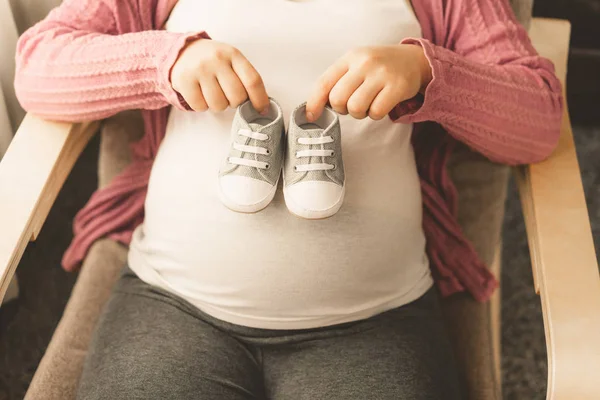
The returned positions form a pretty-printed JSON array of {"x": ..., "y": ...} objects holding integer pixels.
[{"x": 554, "y": 208}]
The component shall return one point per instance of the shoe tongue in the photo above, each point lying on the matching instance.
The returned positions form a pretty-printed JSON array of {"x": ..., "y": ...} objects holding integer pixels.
[
  {"x": 255, "y": 127},
  {"x": 312, "y": 133}
]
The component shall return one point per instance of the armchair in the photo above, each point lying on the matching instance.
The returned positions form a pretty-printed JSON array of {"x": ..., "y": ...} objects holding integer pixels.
[{"x": 562, "y": 250}]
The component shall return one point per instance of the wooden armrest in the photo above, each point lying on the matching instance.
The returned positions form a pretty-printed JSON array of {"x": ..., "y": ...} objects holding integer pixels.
[
  {"x": 564, "y": 261},
  {"x": 33, "y": 170}
]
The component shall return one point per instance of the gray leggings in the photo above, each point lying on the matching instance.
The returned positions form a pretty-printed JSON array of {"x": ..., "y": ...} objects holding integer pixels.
[{"x": 150, "y": 344}]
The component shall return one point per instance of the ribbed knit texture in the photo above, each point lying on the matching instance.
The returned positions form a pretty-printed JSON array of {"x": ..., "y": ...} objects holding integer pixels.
[{"x": 90, "y": 59}]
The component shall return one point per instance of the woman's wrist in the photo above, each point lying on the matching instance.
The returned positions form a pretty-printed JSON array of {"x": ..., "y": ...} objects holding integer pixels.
[{"x": 425, "y": 68}]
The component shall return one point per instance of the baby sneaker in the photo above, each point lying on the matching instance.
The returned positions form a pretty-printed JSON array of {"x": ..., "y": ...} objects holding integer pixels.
[
  {"x": 248, "y": 178},
  {"x": 313, "y": 172}
]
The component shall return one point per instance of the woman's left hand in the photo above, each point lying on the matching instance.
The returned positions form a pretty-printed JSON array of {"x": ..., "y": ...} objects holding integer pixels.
[{"x": 371, "y": 81}]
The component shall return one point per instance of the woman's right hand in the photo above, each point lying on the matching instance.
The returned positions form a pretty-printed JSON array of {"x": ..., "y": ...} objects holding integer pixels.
[{"x": 212, "y": 76}]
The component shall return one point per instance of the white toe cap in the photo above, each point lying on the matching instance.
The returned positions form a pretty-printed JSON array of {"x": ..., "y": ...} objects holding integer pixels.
[
  {"x": 245, "y": 194},
  {"x": 315, "y": 196}
]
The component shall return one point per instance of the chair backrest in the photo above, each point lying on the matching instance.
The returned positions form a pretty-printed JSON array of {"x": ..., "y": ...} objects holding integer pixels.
[
  {"x": 523, "y": 10},
  {"x": 28, "y": 12},
  {"x": 481, "y": 184},
  {"x": 15, "y": 17}
]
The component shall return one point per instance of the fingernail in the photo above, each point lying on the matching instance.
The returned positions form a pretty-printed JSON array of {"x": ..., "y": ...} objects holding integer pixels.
[
  {"x": 310, "y": 116},
  {"x": 265, "y": 111}
]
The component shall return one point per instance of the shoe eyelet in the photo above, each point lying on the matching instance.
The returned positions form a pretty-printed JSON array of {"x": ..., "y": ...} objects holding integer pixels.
[
  {"x": 268, "y": 166},
  {"x": 332, "y": 154},
  {"x": 296, "y": 155},
  {"x": 295, "y": 168},
  {"x": 268, "y": 152},
  {"x": 334, "y": 167}
]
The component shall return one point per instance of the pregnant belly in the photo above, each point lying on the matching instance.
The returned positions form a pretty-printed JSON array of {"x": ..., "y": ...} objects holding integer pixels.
[{"x": 273, "y": 265}]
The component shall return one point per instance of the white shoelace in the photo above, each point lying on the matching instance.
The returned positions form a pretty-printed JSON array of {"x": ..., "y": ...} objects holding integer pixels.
[
  {"x": 251, "y": 149},
  {"x": 314, "y": 153}
]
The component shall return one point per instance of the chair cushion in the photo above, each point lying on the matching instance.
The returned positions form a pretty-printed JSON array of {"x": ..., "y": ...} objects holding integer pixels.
[
  {"x": 58, "y": 374},
  {"x": 474, "y": 327},
  {"x": 117, "y": 133}
]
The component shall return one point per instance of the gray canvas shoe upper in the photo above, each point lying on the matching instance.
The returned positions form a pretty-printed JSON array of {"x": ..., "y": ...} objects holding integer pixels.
[
  {"x": 265, "y": 167},
  {"x": 328, "y": 166},
  {"x": 250, "y": 172},
  {"x": 313, "y": 168}
]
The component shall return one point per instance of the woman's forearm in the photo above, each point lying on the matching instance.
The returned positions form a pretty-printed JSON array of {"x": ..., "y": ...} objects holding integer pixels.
[
  {"x": 511, "y": 113},
  {"x": 74, "y": 69},
  {"x": 490, "y": 88}
]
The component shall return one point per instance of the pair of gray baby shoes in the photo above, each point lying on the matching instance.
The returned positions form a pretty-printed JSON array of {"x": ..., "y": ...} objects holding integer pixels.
[{"x": 309, "y": 158}]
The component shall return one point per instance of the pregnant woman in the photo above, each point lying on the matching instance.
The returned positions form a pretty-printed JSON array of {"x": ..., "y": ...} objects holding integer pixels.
[{"x": 216, "y": 304}]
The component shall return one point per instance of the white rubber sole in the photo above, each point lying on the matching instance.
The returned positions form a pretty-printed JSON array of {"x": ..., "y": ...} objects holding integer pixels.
[
  {"x": 301, "y": 212},
  {"x": 248, "y": 209}
]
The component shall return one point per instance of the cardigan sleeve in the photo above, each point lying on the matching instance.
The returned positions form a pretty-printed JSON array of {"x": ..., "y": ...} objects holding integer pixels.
[
  {"x": 90, "y": 59},
  {"x": 490, "y": 88}
]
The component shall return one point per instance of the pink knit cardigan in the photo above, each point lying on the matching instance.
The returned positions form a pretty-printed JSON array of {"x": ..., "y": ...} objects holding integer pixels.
[{"x": 90, "y": 59}]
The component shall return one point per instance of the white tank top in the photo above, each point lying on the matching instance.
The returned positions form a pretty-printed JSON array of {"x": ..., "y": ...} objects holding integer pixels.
[{"x": 273, "y": 270}]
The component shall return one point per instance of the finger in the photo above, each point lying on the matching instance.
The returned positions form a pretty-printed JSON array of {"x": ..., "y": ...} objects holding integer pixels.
[
  {"x": 361, "y": 100},
  {"x": 252, "y": 81},
  {"x": 317, "y": 101},
  {"x": 385, "y": 101},
  {"x": 343, "y": 90},
  {"x": 192, "y": 94},
  {"x": 213, "y": 94},
  {"x": 232, "y": 87}
]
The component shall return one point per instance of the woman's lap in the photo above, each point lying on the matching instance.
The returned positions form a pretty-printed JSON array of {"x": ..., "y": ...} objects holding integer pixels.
[
  {"x": 147, "y": 347},
  {"x": 401, "y": 354},
  {"x": 150, "y": 344}
]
